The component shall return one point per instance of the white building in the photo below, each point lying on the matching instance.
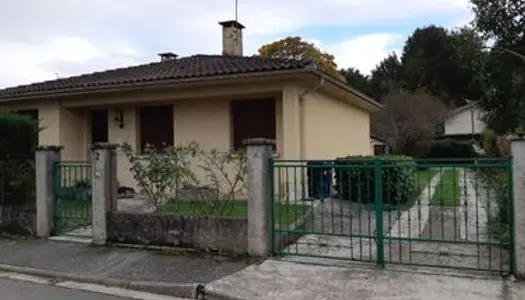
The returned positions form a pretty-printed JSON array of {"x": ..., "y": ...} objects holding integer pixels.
[{"x": 465, "y": 120}]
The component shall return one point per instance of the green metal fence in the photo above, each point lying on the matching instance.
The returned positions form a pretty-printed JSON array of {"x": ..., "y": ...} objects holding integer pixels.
[
  {"x": 439, "y": 213},
  {"x": 72, "y": 210}
]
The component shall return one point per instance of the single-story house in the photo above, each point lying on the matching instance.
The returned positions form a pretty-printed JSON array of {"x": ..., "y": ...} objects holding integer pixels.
[
  {"x": 215, "y": 100},
  {"x": 466, "y": 120}
]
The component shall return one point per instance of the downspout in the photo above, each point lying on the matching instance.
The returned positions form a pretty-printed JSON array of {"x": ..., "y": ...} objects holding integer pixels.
[{"x": 302, "y": 116}]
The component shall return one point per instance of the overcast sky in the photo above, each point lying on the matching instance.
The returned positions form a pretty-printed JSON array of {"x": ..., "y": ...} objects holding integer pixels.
[{"x": 43, "y": 39}]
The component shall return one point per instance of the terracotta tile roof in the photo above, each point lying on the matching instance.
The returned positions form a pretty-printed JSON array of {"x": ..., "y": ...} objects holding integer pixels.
[{"x": 197, "y": 66}]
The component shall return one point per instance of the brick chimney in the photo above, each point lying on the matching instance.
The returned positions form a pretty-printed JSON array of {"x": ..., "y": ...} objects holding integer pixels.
[{"x": 232, "y": 38}]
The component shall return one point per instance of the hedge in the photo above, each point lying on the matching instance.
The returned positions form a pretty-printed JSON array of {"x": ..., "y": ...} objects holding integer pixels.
[
  {"x": 354, "y": 177},
  {"x": 449, "y": 148},
  {"x": 18, "y": 139}
]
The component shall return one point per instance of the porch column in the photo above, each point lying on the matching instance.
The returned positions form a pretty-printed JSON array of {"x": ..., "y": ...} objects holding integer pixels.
[
  {"x": 518, "y": 172},
  {"x": 45, "y": 159},
  {"x": 291, "y": 147},
  {"x": 259, "y": 152},
  {"x": 103, "y": 188}
]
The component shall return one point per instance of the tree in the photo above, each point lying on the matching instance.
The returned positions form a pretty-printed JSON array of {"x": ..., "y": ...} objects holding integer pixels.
[
  {"x": 386, "y": 75},
  {"x": 504, "y": 22},
  {"x": 408, "y": 121},
  {"x": 357, "y": 80},
  {"x": 445, "y": 63},
  {"x": 296, "y": 48}
]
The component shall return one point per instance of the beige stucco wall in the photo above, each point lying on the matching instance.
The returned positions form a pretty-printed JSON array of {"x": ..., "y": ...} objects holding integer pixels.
[
  {"x": 333, "y": 128},
  {"x": 318, "y": 127},
  {"x": 49, "y": 115}
]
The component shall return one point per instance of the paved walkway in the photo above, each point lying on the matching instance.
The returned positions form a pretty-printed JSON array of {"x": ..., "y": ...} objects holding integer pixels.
[{"x": 347, "y": 230}]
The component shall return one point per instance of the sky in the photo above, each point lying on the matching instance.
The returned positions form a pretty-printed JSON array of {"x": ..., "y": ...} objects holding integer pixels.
[{"x": 49, "y": 39}]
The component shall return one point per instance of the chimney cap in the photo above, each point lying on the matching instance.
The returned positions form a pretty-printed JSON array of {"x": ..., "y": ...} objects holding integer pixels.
[
  {"x": 232, "y": 23},
  {"x": 167, "y": 56}
]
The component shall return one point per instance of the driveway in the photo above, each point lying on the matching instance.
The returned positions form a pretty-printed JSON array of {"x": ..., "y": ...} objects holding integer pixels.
[{"x": 275, "y": 279}]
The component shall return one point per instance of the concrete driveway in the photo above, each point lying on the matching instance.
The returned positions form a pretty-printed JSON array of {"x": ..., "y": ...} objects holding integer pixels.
[{"x": 277, "y": 279}]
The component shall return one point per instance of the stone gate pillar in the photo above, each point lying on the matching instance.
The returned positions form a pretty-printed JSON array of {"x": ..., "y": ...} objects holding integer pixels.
[
  {"x": 259, "y": 152},
  {"x": 45, "y": 159},
  {"x": 518, "y": 176},
  {"x": 104, "y": 188}
]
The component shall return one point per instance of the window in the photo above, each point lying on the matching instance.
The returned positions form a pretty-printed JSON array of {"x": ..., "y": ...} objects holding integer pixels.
[
  {"x": 252, "y": 119},
  {"x": 99, "y": 126},
  {"x": 379, "y": 150},
  {"x": 156, "y": 126}
]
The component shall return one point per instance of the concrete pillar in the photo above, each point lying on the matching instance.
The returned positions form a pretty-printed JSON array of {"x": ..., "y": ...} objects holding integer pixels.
[
  {"x": 103, "y": 185},
  {"x": 518, "y": 175},
  {"x": 45, "y": 159},
  {"x": 259, "y": 152}
]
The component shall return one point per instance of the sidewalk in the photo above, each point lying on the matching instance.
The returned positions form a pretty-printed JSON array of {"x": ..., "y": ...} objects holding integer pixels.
[
  {"x": 151, "y": 271},
  {"x": 181, "y": 275},
  {"x": 278, "y": 279}
]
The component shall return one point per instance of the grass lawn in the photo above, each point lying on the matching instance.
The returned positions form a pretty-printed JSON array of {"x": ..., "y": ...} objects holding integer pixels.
[
  {"x": 285, "y": 214},
  {"x": 447, "y": 191},
  {"x": 423, "y": 178}
]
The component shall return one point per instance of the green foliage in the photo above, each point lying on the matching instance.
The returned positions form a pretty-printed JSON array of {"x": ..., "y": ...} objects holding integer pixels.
[
  {"x": 494, "y": 145},
  {"x": 18, "y": 138},
  {"x": 79, "y": 191},
  {"x": 449, "y": 148},
  {"x": 503, "y": 22},
  {"x": 447, "y": 63},
  {"x": 357, "y": 80},
  {"x": 162, "y": 173},
  {"x": 213, "y": 177},
  {"x": 354, "y": 177},
  {"x": 499, "y": 202}
]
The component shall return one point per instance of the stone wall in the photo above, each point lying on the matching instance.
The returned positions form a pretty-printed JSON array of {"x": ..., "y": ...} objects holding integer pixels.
[
  {"x": 185, "y": 231},
  {"x": 17, "y": 220}
]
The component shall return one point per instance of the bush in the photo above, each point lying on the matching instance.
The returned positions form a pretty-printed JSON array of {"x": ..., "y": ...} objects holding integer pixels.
[
  {"x": 18, "y": 139},
  {"x": 355, "y": 178},
  {"x": 451, "y": 149}
]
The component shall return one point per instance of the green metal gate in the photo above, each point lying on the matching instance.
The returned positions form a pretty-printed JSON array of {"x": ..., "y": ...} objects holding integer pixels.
[
  {"x": 72, "y": 211},
  {"x": 439, "y": 213}
]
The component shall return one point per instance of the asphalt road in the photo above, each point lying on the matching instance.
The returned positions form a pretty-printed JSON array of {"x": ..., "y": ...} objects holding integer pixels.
[{"x": 20, "y": 290}]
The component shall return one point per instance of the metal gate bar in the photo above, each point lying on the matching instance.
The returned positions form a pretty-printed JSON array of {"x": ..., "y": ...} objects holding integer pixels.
[
  {"x": 451, "y": 213},
  {"x": 72, "y": 211}
]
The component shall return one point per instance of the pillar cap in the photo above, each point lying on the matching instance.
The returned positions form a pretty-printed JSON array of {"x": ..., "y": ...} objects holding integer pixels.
[
  {"x": 258, "y": 142},
  {"x": 109, "y": 146},
  {"x": 51, "y": 148}
]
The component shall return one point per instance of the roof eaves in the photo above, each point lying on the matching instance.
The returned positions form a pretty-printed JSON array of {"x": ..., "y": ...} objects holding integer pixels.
[
  {"x": 347, "y": 88},
  {"x": 143, "y": 84}
]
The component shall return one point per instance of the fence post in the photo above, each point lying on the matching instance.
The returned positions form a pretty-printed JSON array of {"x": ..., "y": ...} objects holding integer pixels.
[
  {"x": 518, "y": 184},
  {"x": 259, "y": 153},
  {"x": 103, "y": 186},
  {"x": 45, "y": 159}
]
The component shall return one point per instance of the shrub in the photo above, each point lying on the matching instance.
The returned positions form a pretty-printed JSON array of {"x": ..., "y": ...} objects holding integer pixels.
[
  {"x": 355, "y": 178},
  {"x": 18, "y": 139},
  {"x": 448, "y": 148}
]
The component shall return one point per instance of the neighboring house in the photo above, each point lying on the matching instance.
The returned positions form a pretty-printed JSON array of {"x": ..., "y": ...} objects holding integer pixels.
[
  {"x": 378, "y": 146},
  {"x": 215, "y": 100},
  {"x": 464, "y": 121}
]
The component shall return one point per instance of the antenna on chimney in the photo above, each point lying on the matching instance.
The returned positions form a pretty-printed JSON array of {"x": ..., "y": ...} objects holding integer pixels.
[{"x": 236, "y": 10}]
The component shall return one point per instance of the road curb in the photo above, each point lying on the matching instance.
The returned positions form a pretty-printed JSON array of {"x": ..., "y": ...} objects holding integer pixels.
[
  {"x": 183, "y": 290},
  {"x": 214, "y": 295}
]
